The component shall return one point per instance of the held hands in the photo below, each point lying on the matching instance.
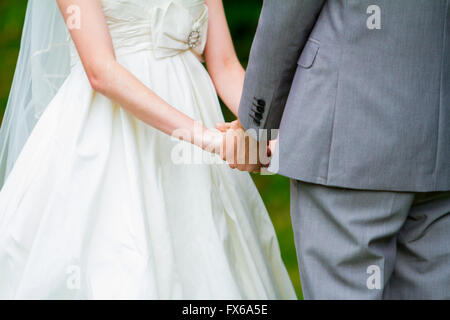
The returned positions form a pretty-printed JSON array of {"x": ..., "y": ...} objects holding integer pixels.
[{"x": 241, "y": 150}]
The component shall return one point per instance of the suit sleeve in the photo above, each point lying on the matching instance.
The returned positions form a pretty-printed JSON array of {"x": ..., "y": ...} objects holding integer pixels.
[{"x": 283, "y": 30}]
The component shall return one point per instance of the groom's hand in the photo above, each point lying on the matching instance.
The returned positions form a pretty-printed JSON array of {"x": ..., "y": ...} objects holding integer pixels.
[
  {"x": 225, "y": 126},
  {"x": 239, "y": 149}
]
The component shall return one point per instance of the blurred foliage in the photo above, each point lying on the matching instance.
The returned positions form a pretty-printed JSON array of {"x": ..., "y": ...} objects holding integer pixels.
[
  {"x": 12, "y": 14},
  {"x": 243, "y": 19}
]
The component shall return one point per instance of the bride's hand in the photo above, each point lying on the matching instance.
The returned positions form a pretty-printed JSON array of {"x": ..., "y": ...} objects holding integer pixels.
[{"x": 213, "y": 141}]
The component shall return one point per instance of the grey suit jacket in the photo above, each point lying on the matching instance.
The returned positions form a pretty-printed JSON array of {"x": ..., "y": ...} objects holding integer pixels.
[{"x": 360, "y": 93}]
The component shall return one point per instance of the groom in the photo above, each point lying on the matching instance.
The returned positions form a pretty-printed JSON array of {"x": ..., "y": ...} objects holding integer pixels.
[{"x": 360, "y": 93}]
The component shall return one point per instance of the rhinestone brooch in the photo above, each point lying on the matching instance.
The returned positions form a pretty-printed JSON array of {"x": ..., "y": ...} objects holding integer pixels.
[{"x": 194, "y": 38}]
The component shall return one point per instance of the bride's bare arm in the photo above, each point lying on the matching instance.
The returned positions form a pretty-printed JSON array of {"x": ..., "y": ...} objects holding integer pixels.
[
  {"x": 108, "y": 77},
  {"x": 223, "y": 65}
]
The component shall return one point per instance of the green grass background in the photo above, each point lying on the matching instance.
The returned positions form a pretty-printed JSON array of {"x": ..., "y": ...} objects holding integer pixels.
[{"x": 242, "y": 18}]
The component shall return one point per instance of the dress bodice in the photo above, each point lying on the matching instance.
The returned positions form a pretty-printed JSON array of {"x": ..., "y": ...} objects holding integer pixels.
[{"x": 167, "y": 27}]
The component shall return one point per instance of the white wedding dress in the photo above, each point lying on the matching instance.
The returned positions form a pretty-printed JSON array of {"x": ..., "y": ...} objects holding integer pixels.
[{"x": 96, "y": 207}]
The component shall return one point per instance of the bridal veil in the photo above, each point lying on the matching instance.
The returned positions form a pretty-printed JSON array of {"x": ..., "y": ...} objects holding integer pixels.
[{"x": 43, "y": 65}]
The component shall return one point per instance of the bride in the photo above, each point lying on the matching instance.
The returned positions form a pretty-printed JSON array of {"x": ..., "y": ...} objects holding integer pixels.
[{"x": 94, "y": 205}]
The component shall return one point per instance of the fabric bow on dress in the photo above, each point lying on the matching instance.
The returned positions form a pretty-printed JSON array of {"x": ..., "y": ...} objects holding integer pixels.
[{"x": 174, "y": 30}]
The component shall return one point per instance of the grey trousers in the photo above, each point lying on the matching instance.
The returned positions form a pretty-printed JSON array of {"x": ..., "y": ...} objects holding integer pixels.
[{"x": 354, "y": 244}]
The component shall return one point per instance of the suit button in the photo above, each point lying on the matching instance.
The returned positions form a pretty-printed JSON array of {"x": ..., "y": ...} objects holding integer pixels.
[
  {"x": 258, "y": 115},
  {"x": 260, "y": 102},
  {"x": 256, "y": 120},
  {"x": 259, "y": 108}
]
